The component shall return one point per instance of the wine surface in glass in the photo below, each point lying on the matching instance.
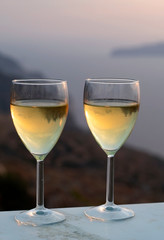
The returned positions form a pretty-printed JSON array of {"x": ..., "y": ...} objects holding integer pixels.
[
  {"x": 111, "y": 121},
  {"x": 39, "y": 124}
]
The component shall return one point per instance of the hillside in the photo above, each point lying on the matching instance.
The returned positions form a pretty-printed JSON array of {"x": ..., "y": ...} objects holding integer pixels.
[
  {"x": 75, "y": 172},
  {"x": 10, "y": 69}
]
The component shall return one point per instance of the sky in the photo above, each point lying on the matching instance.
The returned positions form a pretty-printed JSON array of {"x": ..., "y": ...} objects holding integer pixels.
[
  {"x": 46, "y": 34},
  {"x": 72, "y": 40},
  {"x": 78, "y": 22}
]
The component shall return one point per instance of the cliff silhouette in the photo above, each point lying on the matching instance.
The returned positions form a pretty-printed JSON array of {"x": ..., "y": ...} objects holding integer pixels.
[{"x": 144, "y": 50}]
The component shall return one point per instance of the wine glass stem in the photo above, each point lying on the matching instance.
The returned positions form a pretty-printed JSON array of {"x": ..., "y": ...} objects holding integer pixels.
[
  {"x": 40, "y": 184},
  {"x": 110, "y": 181}
]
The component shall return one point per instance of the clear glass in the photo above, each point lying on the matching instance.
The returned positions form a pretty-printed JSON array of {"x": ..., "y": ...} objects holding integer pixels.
[
  {"x": 39, "y": 110},
  {"x": 111, "y": 107}
]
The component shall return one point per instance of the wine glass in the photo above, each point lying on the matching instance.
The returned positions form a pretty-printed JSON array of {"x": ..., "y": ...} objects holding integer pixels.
[
  {"x": 111, "y": 107},
  {"x": 39, "y": 110}
]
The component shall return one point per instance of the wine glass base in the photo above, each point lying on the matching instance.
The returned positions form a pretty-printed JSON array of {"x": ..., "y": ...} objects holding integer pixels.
[
  {"x": 108, "y": 213},
  {"x": 39, "y": 217}
]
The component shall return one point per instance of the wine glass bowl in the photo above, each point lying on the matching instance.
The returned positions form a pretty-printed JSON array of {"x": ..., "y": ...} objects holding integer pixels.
[
  {"x": 111, "y": 107},
  {"x": 39, "y": 110}
]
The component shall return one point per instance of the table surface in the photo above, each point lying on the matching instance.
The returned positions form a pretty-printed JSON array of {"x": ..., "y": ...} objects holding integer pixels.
[{"x": 147, "y": 224}]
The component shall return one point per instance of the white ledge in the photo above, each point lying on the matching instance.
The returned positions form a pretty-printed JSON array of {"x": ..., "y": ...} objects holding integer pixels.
[{"x": 148, "y": 224}]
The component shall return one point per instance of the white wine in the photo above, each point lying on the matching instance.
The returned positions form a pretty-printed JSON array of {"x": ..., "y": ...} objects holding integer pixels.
[
  {"x": 39, "y": 124},
  {"x": 111, "y": 122}
]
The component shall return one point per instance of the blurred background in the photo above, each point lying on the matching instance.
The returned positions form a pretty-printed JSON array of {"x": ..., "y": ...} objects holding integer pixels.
[{"x": 74, "y": 40}]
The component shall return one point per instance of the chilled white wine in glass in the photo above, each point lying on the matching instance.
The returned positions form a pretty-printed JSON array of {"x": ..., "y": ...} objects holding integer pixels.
[
  {"x": 39, "y": 110},
  {"x": 111, "y": 107}
]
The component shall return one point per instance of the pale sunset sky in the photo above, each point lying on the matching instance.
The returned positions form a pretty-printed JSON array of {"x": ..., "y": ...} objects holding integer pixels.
[
  {"x": 78, "y": 23},
  {"x": 41, "y": 33}
]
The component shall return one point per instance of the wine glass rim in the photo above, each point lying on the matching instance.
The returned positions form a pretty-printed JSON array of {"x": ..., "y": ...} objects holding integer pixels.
[
  {"x": 39, "y": 81},
  {"x": 113, "y": 80}
]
